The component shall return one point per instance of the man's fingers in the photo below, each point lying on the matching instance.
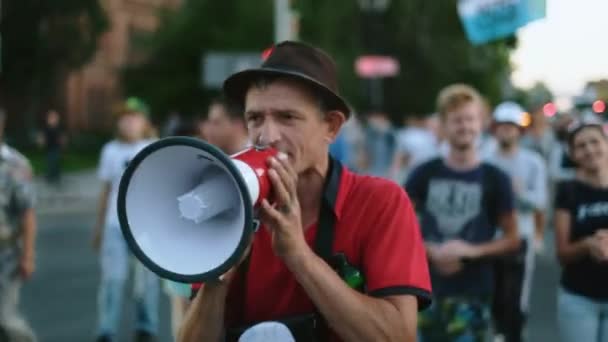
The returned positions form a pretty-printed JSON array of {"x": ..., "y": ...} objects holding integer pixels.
[
  {"x": 283, "y": 198},
  {"x": 284, "y": 175},
  {"x": 284, "y": 160},
  {"x": 269, "y": 213}
]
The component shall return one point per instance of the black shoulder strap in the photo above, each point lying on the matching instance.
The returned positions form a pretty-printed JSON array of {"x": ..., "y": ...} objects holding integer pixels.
[{"x": 327, "y": 218}]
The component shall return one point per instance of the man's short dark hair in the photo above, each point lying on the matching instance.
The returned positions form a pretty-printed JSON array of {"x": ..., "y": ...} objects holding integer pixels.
[{"x": 232, "y": 109}]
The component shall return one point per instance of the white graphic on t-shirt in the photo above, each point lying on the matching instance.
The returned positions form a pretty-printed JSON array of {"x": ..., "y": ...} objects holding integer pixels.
[
  {"x": 597, "y": 209},
  {"x": 453, "y": 203}
]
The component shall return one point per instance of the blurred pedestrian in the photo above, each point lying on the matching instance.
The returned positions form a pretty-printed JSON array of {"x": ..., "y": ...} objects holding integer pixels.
[
  {"x": 17, "y": 238},
  {"x": 226, "y": 127},
  {"x": 380, "y": 144},
  {"x": 416, "y": 143},
  {"x": 513, "y": 273},
  {"x": 339, "y": 148},
  {"x": 353, "y": 143},
  {"x": 461, "y": 202},
  {"x": 173, "y": 123},
  {"x": 561, "y": 166},
  {"x": 115, "y": 259},
  {"x": 581, "y": 228},
  {"x": 53, "y": 140},
  {"x": 539, "y": 136}
]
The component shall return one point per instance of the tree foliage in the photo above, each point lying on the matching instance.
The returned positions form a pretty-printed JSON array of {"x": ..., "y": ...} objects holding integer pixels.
[
  {"x": 171, "y": 77},
  {"x": 425, "y": 36},
  {"x": 41, "y": 42}
]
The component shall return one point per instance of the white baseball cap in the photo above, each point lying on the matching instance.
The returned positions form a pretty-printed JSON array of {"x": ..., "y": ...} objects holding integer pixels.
[{"x": 509, "y": 112}]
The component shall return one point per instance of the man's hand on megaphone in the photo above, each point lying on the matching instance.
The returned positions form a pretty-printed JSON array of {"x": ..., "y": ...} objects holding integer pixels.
[
  {"x": 283, "y": 218},
  {"x": 226, "y": 278}
]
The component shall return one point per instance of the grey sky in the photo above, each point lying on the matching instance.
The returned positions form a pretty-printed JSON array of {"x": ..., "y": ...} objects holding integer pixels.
[{"x": 566, "y": 49}]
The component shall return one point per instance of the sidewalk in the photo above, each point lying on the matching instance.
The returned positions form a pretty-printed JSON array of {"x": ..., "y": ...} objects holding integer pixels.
[{"x": 78, "y": 193}]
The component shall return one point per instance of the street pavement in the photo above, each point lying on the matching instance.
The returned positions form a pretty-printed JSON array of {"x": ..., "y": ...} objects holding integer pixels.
[{"x": 60, "y": 300}]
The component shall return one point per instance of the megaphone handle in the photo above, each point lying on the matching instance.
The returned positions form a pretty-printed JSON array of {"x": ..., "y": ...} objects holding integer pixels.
[{"x": 256, "y": 225}]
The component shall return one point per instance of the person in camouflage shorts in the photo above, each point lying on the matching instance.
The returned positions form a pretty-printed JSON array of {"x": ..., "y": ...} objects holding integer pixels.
[
  {"x": 17, "y": 236},
  {"x": 455, "y": 320}
]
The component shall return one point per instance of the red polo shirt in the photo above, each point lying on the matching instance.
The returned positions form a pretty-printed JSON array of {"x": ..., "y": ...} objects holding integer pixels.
[{"x": 376, "y": 228}]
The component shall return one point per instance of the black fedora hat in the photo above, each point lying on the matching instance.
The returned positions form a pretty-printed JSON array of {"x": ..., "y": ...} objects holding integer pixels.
[{"x": 295, "y": 60}]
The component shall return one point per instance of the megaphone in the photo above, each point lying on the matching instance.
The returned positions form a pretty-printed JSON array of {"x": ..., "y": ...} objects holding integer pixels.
[{"x": 186, "y": 209}]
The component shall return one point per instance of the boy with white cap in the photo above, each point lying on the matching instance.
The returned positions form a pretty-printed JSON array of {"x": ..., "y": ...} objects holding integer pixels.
[{"x": 529, "y": 177}]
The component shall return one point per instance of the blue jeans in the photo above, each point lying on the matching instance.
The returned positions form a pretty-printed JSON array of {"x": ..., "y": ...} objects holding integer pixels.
[
  {"x": 580, "y": 318},
  {"x": 115, "y": 265}
]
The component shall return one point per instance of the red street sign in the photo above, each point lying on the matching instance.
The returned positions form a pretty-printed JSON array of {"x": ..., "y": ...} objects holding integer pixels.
[{"x": 376, "y": 66}]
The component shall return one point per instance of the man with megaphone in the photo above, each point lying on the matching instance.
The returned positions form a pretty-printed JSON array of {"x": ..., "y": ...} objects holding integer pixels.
[{"x": 338, "y": 256}]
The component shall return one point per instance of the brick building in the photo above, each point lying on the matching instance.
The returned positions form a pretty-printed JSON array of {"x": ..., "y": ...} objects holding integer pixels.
[{"x": 92, "y": 91}]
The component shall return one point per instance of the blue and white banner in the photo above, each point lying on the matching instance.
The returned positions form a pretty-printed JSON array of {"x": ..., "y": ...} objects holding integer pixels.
[{"x": 487, "y": 20}]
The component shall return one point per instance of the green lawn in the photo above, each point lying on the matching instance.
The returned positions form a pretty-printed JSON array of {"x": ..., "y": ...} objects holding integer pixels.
[{"x": 71, "y": 161}]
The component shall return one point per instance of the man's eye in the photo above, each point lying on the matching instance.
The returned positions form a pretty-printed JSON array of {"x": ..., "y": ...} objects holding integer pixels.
[{"x": 254, "y": 118}]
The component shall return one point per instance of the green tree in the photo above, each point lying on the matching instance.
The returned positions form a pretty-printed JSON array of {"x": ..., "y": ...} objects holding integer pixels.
[
  {"x": 42, "y": 41},
  {"x": 425, "y": 36},
  {"x": 171, "y": 76}
]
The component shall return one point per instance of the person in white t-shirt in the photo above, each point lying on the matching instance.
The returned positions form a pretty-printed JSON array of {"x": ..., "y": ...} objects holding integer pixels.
[
  {"x": 528, "y": 174},
  {"x": 416, "y": 143},
  {"x": 115, "y": 258}
]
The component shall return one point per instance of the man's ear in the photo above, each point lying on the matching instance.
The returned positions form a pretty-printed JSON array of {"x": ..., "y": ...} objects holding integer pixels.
[{"x": 335, "y": 119}]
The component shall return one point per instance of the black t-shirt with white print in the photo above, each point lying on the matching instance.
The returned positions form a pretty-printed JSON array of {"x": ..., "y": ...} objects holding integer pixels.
[{"x": 588, "y": 207}]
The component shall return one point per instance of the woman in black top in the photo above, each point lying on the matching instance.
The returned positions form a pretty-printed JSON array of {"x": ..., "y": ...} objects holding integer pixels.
[{"x": 581, "y": 224}]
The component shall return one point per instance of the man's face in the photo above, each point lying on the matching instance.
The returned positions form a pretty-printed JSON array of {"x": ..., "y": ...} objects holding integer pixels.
[
  {"x": 507, "y": 134},
  {"x": 52, "y": 118},
  {"x": 132, "y": 126},
  {"x": 286, "y": 115},
  {"x": 462, "y": 125},
  {"x": 219, "y": 128}
]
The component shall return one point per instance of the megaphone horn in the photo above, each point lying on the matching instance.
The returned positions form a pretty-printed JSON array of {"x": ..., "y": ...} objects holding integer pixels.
[{"x": 186, "y": 208}]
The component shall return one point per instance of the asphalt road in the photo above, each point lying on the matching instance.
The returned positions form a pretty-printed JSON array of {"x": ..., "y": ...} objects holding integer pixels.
[{"x": 60, "y": 300}]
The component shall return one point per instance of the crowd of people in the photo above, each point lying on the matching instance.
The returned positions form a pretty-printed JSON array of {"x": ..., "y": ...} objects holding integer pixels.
[
  {"x": 444, "y": 217},
  {"x": 485, "y": 183}
]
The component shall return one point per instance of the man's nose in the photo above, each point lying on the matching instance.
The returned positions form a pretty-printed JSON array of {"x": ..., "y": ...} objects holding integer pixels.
[{"x": 269, "y": 134}]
